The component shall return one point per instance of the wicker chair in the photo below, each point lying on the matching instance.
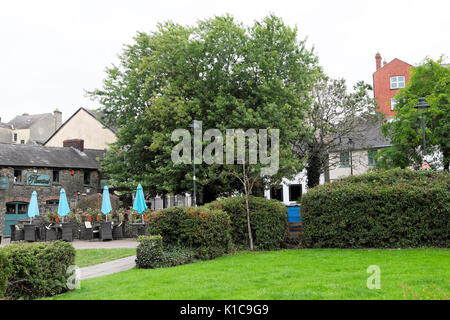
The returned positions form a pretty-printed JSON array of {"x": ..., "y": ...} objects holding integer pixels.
[
  {"x": 67, "y": 234},
  {"x": 50, "y": 234},
  {"x": 86, "y": 231},
  {"x": 142, "y": 230},
  {"x": 29, "y": 232},
  {"x": 117, "y": 231},
  {"x": 16, "y": 233},
  {"x": 105, "y": 231}
]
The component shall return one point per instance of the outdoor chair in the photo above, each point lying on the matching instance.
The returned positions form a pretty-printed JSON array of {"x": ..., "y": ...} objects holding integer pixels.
[
  {"x": 50, "y": 233},
  {"x": 29, "y": 232},
  {"x": 67, "y": 234},
  {"x": 142, "y": 230},
  {"x": 105, "y": 231},
  {"x": 86, "y": 231},
  {"x": 117, "y": 231},
  {"x": 16, "y": 233}
]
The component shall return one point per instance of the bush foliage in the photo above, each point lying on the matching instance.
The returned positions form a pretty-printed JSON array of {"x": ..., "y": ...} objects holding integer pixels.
[
  {"x": 268, "y": 220},
  {"x": 203, "y": 229},
  {"x": 38, "y": 269},
  {"x": 384, "y": 209},
  {"x": 151, "y": 253},
  {"x": 5, "y": 272}
]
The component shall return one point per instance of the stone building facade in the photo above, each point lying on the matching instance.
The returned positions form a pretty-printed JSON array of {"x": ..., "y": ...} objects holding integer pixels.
[{"x": 28, "y": 168}]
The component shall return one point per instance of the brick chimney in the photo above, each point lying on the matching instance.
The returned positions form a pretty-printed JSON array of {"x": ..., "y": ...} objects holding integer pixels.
[
  {"x": 57, "y": 117},
  {"x": 378, "y": 60},
  {"x": 75, "y": 143}
]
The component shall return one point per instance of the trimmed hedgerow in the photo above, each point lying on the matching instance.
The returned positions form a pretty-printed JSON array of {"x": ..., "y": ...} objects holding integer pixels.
[
  {"x": 385, "y": 209},
  {"x": 38, "y": 269},
  {"x": 151, "y": 253},
  {"x": 5, "y": 272},
  {"x": 268, "y": 220},
  {"x": 205, "y": 230}
]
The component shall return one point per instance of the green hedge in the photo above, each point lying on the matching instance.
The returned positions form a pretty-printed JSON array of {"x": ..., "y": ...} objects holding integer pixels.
[
  {"x": 151, "y": 253},
  {"x": 5, "y": 272},
  {"x": 38, "y": 269},
  {"x": 385, "y": 209},
  {"x": 268, "y": 220},
  {"x": 205, "y": 230}
]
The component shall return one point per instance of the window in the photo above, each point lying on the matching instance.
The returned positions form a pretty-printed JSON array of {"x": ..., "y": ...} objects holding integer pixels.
[
  {"x": 17, "y": 176},
  {"x": 22, "y": 141},
  {"x": 87, "y": 178},
  {"x": 397, "y": 82},
  {"x": 276, "y": 193},
  {"x": 393, "y": 103},
  {"x": 344, "y": 159},
  {"x": 371, "y": 161},
  {"x": 55, "y": 176},
  {"x": 15, "y": 137},
  {"x": 295, "y": 192},
  {"x": 52, "y": 202}
]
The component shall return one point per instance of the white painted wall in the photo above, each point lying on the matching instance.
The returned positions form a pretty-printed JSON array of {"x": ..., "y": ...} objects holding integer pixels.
[
  {"x": 299, "y": 179},
  {"x": 84, "y": 126}
]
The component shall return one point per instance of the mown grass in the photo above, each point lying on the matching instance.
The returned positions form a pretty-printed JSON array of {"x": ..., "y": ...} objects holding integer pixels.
[
  {"x": 89, "y": 257},
  {"x": 285, "y": 274}
]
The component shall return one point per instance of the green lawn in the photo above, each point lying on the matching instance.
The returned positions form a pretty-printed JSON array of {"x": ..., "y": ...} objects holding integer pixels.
[
  {"x": 88, "y": 257},
  {"x": 286, "y": 274}
]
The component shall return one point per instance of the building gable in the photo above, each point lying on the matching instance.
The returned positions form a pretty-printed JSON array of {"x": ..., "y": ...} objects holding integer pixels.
[{"x": 83, "y": 125}]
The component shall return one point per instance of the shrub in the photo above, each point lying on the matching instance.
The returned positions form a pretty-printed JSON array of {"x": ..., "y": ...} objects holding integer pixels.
[
  {"x": 5, "y": 272},
  {"x": 395, "y": 208},
  {"x": 205, "y": 230},
  {"x": 268, "y": 221},
  {"x": 38, "y": 269},
  {"x": 176, "y": 256},
  {"x": 151, "y": 253}
]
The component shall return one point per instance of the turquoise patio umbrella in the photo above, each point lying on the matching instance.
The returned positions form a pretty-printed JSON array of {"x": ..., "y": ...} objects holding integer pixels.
[
  {"x": 33, "y": 209},
  {"x": 139, "y": 201},
  {"x": 63, "y": 207},
  {"x": 106, "y": 202}
]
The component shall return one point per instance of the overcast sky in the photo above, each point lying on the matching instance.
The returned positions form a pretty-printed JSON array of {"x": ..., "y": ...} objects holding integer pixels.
[{"x": 51, "y": 51}]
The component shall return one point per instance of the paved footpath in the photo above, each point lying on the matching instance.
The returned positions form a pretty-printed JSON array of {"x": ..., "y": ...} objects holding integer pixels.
[{"x": 106, "y": 268}]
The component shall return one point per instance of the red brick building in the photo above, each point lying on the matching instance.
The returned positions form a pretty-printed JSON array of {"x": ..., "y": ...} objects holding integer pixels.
[{"x": 387, "y": 79}]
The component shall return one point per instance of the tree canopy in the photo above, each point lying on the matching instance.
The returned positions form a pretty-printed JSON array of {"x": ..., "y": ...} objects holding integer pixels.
[
  {"x": 430, "y": 80},
  {"x": 218, "y": 71}
]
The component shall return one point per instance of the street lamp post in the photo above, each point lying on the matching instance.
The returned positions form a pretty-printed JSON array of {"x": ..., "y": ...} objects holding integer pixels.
[
  {"x": 194, "y": 196},
  {"x": 422, "y": 106}
]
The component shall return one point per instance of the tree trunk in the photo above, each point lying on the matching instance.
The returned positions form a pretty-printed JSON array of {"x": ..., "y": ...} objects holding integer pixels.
[
  {"x": 313, "y": 169},
  {"x": 249, "y": 228}
]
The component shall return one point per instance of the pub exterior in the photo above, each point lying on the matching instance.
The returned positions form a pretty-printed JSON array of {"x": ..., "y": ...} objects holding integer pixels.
[{"x": 25, "y": 168}]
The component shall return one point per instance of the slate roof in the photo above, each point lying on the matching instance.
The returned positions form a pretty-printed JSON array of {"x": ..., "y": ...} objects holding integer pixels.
[
  {"x": 25, "y": 121},
  {"x": 5, "y": 125},
  {"x": 26, "y": 155},
  {"x": 365, "y": 136}
]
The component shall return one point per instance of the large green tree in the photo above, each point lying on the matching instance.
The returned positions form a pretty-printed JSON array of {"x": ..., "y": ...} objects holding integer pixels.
[
  {"x": 218, "y": 71},
  {"x": 430, "y": 80}
]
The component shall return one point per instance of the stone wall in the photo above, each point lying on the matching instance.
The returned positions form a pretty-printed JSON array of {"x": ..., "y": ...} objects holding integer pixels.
[{"x": 72, "y": 184}]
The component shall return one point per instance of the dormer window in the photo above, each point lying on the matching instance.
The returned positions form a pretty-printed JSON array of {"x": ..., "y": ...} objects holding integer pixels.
[{"x": 397, "y": 82}]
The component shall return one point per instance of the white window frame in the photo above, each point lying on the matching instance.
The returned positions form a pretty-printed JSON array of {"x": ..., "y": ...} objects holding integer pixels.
[
  {"x": 397, "y": 82},
  {"x": 393, "y": 103}
]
